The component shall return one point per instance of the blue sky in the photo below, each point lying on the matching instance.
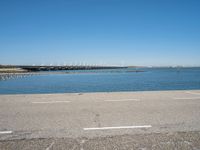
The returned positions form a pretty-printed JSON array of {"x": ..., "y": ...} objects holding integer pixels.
[{"x": 112, "y": 32}]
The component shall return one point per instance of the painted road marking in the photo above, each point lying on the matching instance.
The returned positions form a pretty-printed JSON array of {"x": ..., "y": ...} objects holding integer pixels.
[
  {"x": 119, "y": 127},
  {"x": 121, "y": 100},
  {"x": 50, "y": 146},
  {"x": 5, "y": 132},
  {"x": 194, "y": 93},
  {"x": 50, "y": 102},
  {"x": 179, "y": 98}
]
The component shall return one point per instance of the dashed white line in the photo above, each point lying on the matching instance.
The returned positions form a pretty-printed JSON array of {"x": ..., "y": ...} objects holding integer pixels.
[
  {"x": 50, "y": 102},
  {"x": 182, "y": 98},
  {"x": 5, "y": 132},
  {"x": 119, "y": 127},
  {"x": 194, "y": 93},
  {"x": 121, "y": 100},
  {"x": 50, "y": 146}
]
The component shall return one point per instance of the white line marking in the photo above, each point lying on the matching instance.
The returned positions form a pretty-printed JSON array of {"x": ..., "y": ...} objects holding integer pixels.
[
  {"x": 188, "y": 92},
  {"x": 51, "y": 102},
  {"x": 5, "y": 132},
  {"x": 121, "y": 100},
  {"x": 186, "y": 98},
  {"x": 50, "y": 146},
  {"x": 120, "y": 127}
]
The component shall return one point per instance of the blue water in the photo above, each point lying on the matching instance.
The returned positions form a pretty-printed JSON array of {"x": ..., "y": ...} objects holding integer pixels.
[{"x": 105, "y": 81}]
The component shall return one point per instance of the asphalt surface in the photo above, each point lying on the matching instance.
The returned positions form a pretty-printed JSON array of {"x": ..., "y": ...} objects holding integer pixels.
[{"x": 121, "y": 120}]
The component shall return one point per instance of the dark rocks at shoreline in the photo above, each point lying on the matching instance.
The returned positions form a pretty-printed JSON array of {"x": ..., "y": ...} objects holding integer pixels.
[{"x": 7, "y": 76}]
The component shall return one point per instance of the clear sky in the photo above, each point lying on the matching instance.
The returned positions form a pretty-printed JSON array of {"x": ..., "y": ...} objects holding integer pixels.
[{"x": 117, "y": 32}]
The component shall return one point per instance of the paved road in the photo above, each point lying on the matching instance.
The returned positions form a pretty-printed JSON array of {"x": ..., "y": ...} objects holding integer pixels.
[{"x": 72, "y": 120}]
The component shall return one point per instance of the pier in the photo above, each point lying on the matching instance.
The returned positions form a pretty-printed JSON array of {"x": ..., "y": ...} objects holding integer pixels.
[{"x": 57, "y": 68}]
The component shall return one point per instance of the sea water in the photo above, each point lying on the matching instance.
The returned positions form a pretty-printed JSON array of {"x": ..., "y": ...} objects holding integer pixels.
[{"x": 111, "y": 80}]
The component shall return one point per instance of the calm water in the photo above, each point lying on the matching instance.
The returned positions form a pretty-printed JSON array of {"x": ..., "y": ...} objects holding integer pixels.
[{"x": 105, "y": 81}]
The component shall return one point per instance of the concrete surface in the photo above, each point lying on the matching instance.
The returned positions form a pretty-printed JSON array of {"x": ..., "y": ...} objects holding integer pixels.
[{"x": 121, "y": 120}]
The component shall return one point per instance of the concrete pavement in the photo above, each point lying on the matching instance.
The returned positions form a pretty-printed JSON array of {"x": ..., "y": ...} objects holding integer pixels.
[{"x": 100, "y": 117}]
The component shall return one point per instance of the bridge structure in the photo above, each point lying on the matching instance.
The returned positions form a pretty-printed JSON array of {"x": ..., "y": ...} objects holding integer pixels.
[{"x": 57, "y": 68}]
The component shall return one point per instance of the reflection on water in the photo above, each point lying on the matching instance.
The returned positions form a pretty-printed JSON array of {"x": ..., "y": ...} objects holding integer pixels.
[{"x": 104, "y": 81}]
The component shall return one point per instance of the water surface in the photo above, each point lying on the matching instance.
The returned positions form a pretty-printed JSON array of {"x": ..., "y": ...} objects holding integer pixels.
[{"x": 105, "y": 81}]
